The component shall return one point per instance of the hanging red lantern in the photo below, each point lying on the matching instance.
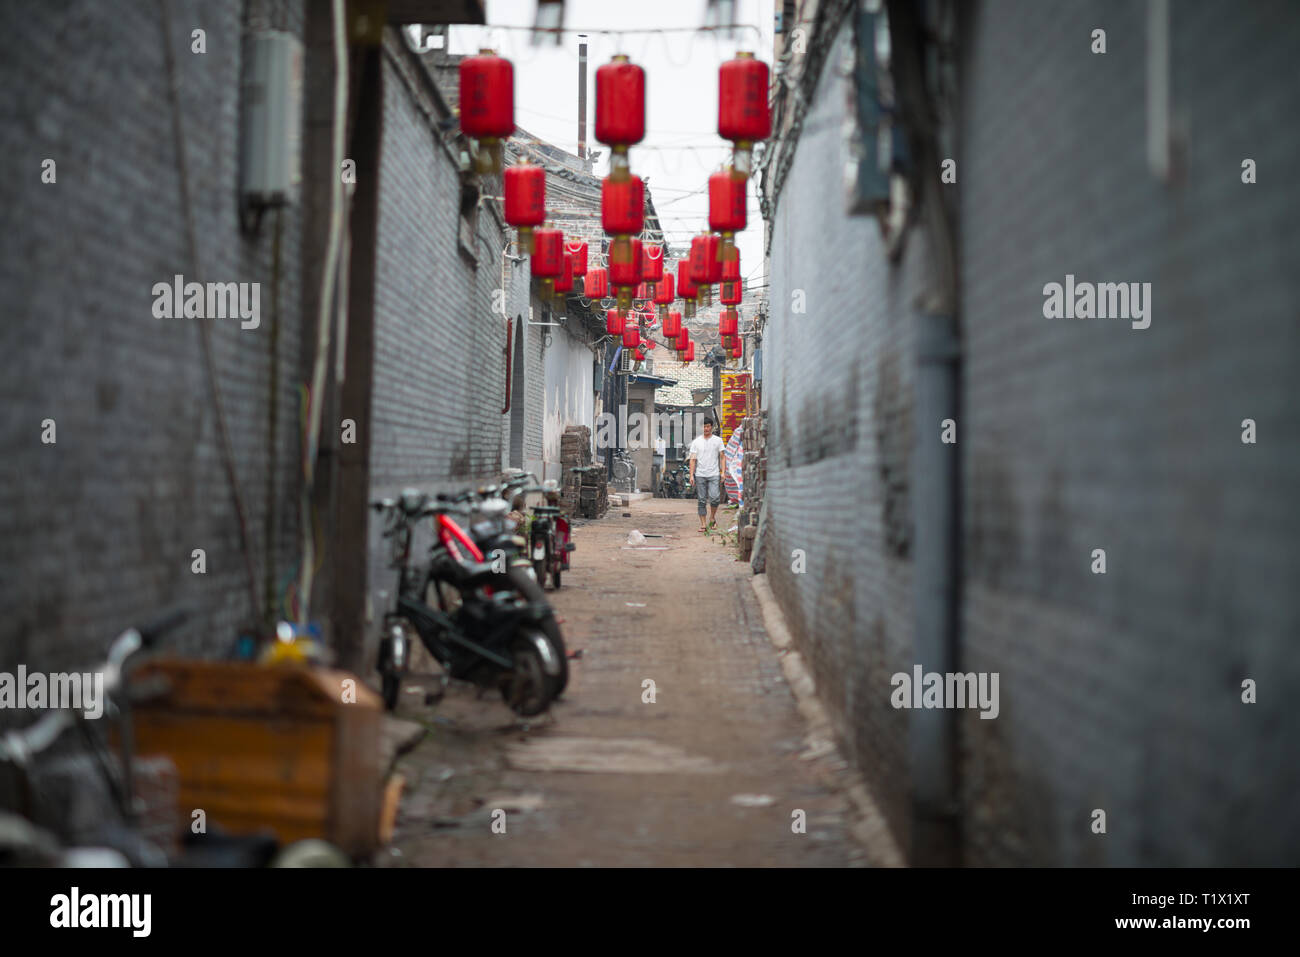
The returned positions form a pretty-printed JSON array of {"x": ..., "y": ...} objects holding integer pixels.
[
  {"x": 683, "y": 337},
  {"x": 672, "y": 325},
  {"x": 525, "y": 200},
  {"x": 622, "y": 205},
  {"x": 642, "y": 292},
  {"x": 631, "y": 335},
  {"x": 737, "y": 348},
  {"x": 615, "y": 320},
  {"x": 664, "y": 295},
  {"x": 725, "y": 338},
  {"x": 596, "y": 283},
  {"x": 578, "y": 250},
  {"x": 639, "y": 355},
  {"x": 690, "y": 351},
  {"x": 622, "y": 213},
  {"x": 687, "y": 291},
  {"x": 731, "y": 294},
  {"x": 730, "y": 265},
  {"x": 487, "y": 106},
  {"x": 726, "y": 204},
  {"x": 744, "y": 115},
  {"x": 728, "y": 322},
  {"x": 706, "y": 267},
  {"x": 652, "y": 263},
  {"x": 620, "y": 110},
  {"x": 623, "y": 272},
  {"x": 564, "y": 282},
  {"x": 548, "y": 258}
]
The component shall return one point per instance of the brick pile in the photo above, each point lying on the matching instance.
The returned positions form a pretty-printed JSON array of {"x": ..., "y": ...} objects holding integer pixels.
[
  {"x": 575, "y": 452},
  {"x": 753, "y": 439}
]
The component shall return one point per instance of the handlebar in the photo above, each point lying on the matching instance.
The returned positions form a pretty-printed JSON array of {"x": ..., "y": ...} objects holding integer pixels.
[
  {"x": 162, "y": 623},
  {"x": 19, "y": 746}
]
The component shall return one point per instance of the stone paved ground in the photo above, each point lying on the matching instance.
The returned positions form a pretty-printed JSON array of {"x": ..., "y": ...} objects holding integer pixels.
[{"x": 707, "y": 775}]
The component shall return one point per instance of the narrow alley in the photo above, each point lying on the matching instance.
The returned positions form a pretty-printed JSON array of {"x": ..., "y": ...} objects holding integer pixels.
[
  {"x": 365, "y": 366},
  {"x": 709, "y": 774}
]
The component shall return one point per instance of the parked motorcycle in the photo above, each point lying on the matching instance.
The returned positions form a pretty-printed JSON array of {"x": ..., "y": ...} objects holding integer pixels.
[
  {"x": 676, "y": 483},
  {"x": 483, "y": 623}
]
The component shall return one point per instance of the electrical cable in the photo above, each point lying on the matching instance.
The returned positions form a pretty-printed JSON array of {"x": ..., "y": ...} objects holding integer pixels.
[
  {"x": 314, "y": 395},
  {"x": 205, "y": 333}
]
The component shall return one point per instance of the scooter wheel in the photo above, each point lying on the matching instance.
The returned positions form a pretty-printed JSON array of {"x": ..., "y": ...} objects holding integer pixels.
[
  {"x": 532, "y": 590},
  {"x": 526, "y": 689}
]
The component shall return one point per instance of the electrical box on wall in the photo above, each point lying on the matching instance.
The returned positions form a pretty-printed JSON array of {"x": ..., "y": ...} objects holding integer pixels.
[{"x": 269, "y": 160}]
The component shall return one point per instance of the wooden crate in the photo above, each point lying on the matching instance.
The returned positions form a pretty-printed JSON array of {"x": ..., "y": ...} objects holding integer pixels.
[{"x": 269, "y": 747}]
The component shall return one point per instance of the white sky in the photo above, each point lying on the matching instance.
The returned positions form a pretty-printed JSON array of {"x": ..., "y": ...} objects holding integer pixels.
[{"x": 681, "y": 147}]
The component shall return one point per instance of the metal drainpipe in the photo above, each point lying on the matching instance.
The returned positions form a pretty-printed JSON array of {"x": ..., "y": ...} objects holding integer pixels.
[{"x": 933, "y": 733}]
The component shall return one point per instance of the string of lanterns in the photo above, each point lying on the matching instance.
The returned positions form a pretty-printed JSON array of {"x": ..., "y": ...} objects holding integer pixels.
[{"x": 636, "y": 275}]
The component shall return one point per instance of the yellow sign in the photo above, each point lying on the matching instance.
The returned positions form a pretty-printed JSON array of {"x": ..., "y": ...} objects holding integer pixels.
[{"x": 735, "y": 396}]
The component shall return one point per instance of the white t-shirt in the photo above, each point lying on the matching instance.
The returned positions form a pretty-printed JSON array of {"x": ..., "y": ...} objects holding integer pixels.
[{"x": 706, "y": 452}]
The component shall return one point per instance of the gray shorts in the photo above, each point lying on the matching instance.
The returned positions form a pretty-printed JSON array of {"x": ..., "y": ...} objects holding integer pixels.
[{"x": 708, "y": 488}]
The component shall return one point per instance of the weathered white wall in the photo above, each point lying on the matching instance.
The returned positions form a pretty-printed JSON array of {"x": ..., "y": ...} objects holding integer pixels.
[{"x": 569, "y": 399}]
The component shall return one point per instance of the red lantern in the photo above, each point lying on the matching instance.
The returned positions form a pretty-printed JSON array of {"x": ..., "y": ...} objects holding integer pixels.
[
  {"x": 548, "y": 258},
  {"x": 726, "y": 339},
  {"x": 683, "y": 337},
  {"x": 622, "y": 205},
  {"x": 737, "y": 348},
  {"x": 706, "y": 267},
  {"x": 730, "y": 265},
  {"x": 687, "y": 291},
  {"x": 744, "y": 115},
  {"x": 728, "y": 321},
  {"x": 525, "y": 200},
  {"x": 642, "y": 291},
  {"x": 731, "y": 294},
  {"x": 726, "y": 203},
  {"x": 690, "y": 351},
  {"x": 664, "y": 293},
  {"x": 639, "y": 355},
  {"x": 620, "y": 110},
  {"x": 672, "y": 325},
  {"x": 652, "y": 263},
  {"x": 615, "y": 320},
  {"x": 487, "y": 105},
  {"x": 564, "y": 281},
  {"x": 631, "y": 335},
  {"x": 596, "y": 283},
  {"x": 578, "y": 250},
  {"x": 623, "y": 272}
]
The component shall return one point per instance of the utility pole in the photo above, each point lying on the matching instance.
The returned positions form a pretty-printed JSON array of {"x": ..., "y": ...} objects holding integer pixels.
[{"x": 582, "y": 96}]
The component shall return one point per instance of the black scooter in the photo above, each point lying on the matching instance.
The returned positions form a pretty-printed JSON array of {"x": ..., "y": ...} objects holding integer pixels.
[{"x": 481, "y": 628}]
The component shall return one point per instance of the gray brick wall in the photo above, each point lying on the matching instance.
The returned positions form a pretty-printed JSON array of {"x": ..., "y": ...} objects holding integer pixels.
[
  {"x": 837, "y": 383},
  {"x": 1121, "y": 691},
  {"x": 440, "y": 365},
  {"x": 97, "y": 531}
]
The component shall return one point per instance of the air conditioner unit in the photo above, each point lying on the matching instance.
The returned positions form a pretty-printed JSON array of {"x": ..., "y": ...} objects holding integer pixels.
[{"x": 625, "y": 361}]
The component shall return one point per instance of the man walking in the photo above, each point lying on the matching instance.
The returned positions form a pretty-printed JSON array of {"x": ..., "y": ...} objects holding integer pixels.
[{"x": 706, "y": 454}]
